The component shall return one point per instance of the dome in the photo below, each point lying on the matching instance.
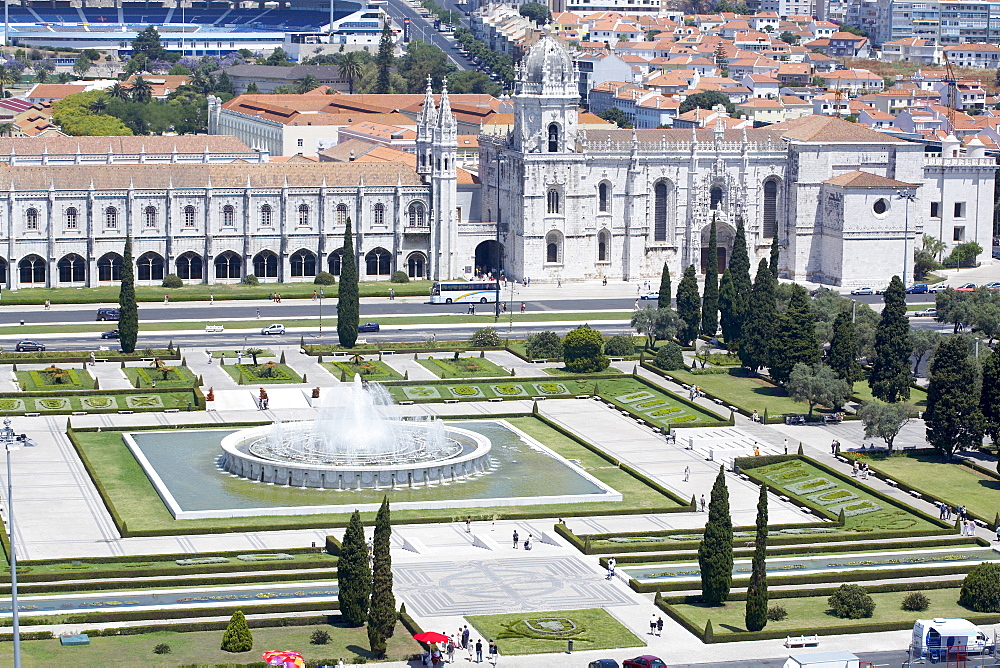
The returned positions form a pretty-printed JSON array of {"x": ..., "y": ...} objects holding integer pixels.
[{"x": 548, "y": 62}]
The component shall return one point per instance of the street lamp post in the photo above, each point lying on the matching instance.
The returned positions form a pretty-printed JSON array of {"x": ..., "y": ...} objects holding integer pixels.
[
  {"x": 321, "y": 295},
  {"x": 12, "y": 441},
  {"x": 496, "y": 277},
  {"x": 909, "y": 196}
]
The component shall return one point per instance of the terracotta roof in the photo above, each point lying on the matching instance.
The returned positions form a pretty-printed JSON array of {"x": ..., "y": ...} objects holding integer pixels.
[
  {"x": 119, "y": 145},
  {"x": 55, "y": 91},
  {"x": 859, "y": 179},
  {"x": 820, "y": 128}
]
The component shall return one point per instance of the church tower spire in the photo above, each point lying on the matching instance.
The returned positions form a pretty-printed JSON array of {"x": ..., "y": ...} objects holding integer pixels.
[{"x": 426, "y": 123}]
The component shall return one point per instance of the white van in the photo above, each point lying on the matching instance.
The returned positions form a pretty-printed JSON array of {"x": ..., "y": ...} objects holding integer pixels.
[{"x": 934, "y": 637}]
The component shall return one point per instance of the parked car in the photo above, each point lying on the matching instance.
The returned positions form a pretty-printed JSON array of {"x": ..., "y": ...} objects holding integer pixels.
[
  {"x": 939, "y": 287},
  {"x": 968, "y": 287},
  {"x": 917, "y": 289},
  {"x": 276, "y": 328},
  {"x": 603, "y": 663},
  {"x": 644, "y": 661},
  {"x": 113, "y": 334},
  {"x": 29, "y": 346},
  {"x": 649, "y": 295},
  {"x": 108, "y": 314},
  {"x": 862, "y": 291},
  {"x": 995, "y": 285},
  {"x": 926, "y": 313},
  {"x": 368, "y": 327}
]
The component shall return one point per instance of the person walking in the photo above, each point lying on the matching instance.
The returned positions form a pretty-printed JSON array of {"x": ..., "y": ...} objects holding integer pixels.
[
  {"x": 211, "y": 300},
  {"x": 515, "y": 539},
  {"x": 702, "y": 503},
  {"x": 48, "y": 305},
  {"x": 479, "y": 650},
  {"x": 652, "y": 625},
  {"x": 258, "y": 313},
  {"x": 468, "y": 524},
  {"x": 659, "y": 626},
  {"x": 392, "y": 294},
  {"x": 465, "y": 637},
  {"x": 611, "y": 569},
  {"x": 494, "y": 653},
  {"x": 451, "y": 650},
  {"x": 522, "y": 307},
  {"x": 687, "y": 473}
]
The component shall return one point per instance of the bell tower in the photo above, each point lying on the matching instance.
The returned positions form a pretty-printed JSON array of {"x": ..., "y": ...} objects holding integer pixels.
[{"x": 547, "y": 101}]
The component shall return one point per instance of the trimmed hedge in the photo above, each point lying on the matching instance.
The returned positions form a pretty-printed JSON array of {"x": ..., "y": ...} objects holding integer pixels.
[
  {"x": 74, "y": 357},
  {"x": 173, "y": 570},
  {"x": 187, "y": 627}
]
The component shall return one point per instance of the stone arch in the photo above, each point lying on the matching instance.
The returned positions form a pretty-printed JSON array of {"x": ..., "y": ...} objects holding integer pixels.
[
  {"x": 663, "y": 208},
  {"x": 303, "y": 263},
  {"x": 32, "y": 270},
  {"x": 378, "y": 262},
  {"x": 265, "y": 264},
  {"x": 554, "y": 132},
  {"x": 769, "y": 207},
  {"x": 149, "y": 267},
  {"x": 335, "y": 261},
  {"x": 228, "y": 265},
  {"x": 189, "y": 266},
  {"x": 416, "y": 265},
  {"x": 72, "y": 269},
  {"x": 724, "y": 235},
  {"x": 109, "y": 267},
  {"x": 416, "y": 214},
  {"x": 554, "y": 247},
  {"x": 604, "y": 246},
  {"x": 716, "y": 197},
  {"x": 229, "y": 215},
  {"x": 604, "y": 197},
  {"x": 553, "y": 203}
]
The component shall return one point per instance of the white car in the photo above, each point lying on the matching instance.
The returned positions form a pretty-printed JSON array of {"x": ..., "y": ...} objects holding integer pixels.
[
  {"x": 862, "y": 291},
  {"x": 649, "y": 295},
  {"x": 276, "y": 328},
  {"x": 926, "y": 313}
]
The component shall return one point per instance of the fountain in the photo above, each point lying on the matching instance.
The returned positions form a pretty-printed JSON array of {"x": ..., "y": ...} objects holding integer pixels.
[{"x": 356, "y": 442}]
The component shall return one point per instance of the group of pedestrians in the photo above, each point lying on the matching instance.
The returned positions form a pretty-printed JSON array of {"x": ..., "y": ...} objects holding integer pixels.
[
  {"x": 275, "y": 297},
  {"x": 527, "y": 541},
  {"x": 461, "y": 641},
  {"x": 656, "y": 625}
]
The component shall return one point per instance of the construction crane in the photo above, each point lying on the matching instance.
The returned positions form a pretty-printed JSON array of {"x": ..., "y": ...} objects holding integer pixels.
[{"x": 952, "y": 86}]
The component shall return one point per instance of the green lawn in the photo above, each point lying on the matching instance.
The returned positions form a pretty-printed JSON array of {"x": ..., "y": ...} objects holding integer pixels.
[
  {"x": 749, "y": 393},
  {"x": 232, "y": 354},
  {"x": 563, "y": 371},
  {"x": 918, "y": 396},
  {"x": 810, "y": 612},
  {"x": 202, "y": 648},
  {"x": 463, "y": 367},
  {"x": 654, "y": 404},
  {"x": 268, "y": 373},
  {"x": 177, "y": 376},
  {"x": 44, "y": 381},
  {"x": 52, "y": 356},
  {"x": 504, "y": 389},
  {"x": 96, "y": 402},
  {"x": 639, "y": 345},
  {"x": 372, "y": 369},
  {"x": 524, "y": 633}
]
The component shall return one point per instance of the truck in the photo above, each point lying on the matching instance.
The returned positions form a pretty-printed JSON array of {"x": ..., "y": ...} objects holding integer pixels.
[
  {"x": 934, "y": 638},
  {"x": 824, "y": 660}
]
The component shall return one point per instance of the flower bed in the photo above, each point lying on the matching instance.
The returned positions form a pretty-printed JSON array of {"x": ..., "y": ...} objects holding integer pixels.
[
  {"x": 463, "y": 367},
  {"x": 54, "y": 379},
  {"x": 262, "y": 374},
  {"x": 367, "y": 369},
  {"x": 465, "y": 391},
  {"x": 509, "y": 390},
  {"x": 170, "y": 376}
]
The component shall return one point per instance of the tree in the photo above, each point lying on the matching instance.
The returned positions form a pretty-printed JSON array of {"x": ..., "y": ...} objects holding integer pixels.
[
  {"x": 795, "y": 342},
  {"x": 728, "y": 300},
  {"x": 990, "y": 396},
  {"x": 663, "y": 301},
  {"x": 142, "y": 90},
  {"x": 733, "y": 304},
  {"x": 688, "y": 306},
  {"x": 817, "y": 385},
  {"x": 382, "y": 610},
  {"x": 583, "y": 350},
  {"x": 278, "y": 57},
  {"x": 789, "y": 37},
  {"x": 147, "y": 46},
  {"x": 237, "y": 637},
  {"x": 843, "y": 354},
  {"x": 775, "y": 256},
  {"x": 761, "y": 322},
  {"x": 670, "y": 357},
  {"x": 706, "y": 100},
  {"x": 543, "y": 346},
  {"x": 884, "y": 420},
  {"x": 472, "y": 82},
  {"x": 656, "y": 324},
  {"x": 616, "y": 116},
  {"x": 81, "y": 66},
  {"x": 964, "y": 255},
  {"x": 851, "y": 601},
  {"x": 306, "y": 84},
  {"x": 347, "y": 297},
  {"x": 354, "y": 576},
  {"x": 710, "y": 300},
  {"x": 715, "y": 553},
  {"x": 350, "y": 64},
  {"x": 8, "y": 75},
  {"x": 420, "y": 61},
  {"x": 100, "y": 105},
  {"x": 953, "y": 417},
  {"x": 128, "y": 318},
  {"x": 890, "y": 375},
  {"x": 756, "y": 612},
  {"x": 118, "y": 91},
  {"x": 537, "y": 12},
  {"x": 924, "y": 342},
  {"x": 981, "y": 588},
  {"x": 252, "y": 88}
]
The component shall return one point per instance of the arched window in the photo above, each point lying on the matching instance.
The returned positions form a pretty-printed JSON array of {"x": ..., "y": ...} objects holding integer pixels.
[
  {"x": 335, "y": 261},
  {"x": 72, "y": 218},
  {"x": 265, "y": 265},
  {"x": 189, "y": 266},
  {"x": 770, "y": 222},
  {"x": 303, "y": 214},
  {"x": 149, "y": 267},
  {"x": 228, "y": 215},
  {"x": 415, "y": 265},
  {"x": 189, "y": 216},
  {"x": 553, "y": 138},
  {"x": 603, "y": 246},
  {"x": 32, "y": 270},
  {"x": 553, "y": 247},
  {"x": 377, "y": 262},
  {"x": 662, "y": 193},
  {"x": 228, "y": 265},
  {"x": 3, "y": 270},
  {"x": 416, "y": 214},
  {"x": 604, "y": 198},
  {"x": 378, "y": 214},
  {"x": 552, "y": 201},
  {"x": 715, "y": 198},
  {"x": 341, "y": 214},
  {"x": 109, "y": 267},
  {"x": 303, "y": 263},
  {"x": 150, "y": 215},
  {"x": 265, "y": 215},
  {"x": 72, "y": 269},
  {"x": 111, "y": 218},
  {"x": 31, "y": 219}
]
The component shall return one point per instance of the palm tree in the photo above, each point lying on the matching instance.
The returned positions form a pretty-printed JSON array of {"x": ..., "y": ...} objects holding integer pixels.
[
  {"x": 934, "y": 246},
  {"x": 119, "y": 91},
  {"x": 7, "y": 76},
  {"x": 350, "y": 67},
  {"x": 142, "y": 90},
  {"x": 306, "y": 83},
  {"x": 99, "y": 105},
  {"x": 6, "y": 129}
]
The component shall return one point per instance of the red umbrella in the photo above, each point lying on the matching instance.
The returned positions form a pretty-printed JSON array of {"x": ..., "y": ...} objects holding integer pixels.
[{"x": 430, "y": 637}]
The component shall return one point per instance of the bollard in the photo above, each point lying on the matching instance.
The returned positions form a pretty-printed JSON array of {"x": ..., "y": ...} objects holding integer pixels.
[{"x": 569, "y": 648}]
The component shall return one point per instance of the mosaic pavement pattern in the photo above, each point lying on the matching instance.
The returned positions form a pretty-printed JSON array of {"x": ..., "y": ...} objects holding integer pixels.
[{"x": 446, "y": 588}]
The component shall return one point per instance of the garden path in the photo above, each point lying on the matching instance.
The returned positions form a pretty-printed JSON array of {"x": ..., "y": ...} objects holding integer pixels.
[{"x": 110, "y": 376}]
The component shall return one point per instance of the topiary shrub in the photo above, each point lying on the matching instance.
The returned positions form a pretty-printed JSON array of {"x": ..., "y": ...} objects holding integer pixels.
[
  {"x": 916, "y": 601},
  {"x": 851, "y": 601},
  {"x": 487, "y": 336},
  {"x": 162, "y": 648},
  {"x": 319, "y": 637},
  {"x": 325, "y": 278},
  {"x": 544, "y": 346},
  {"x": 583, "y": 351},
  {"x": 399, "y": 277},
  {"x": 172, "y": 281},
  {"x": 776, "y": 613},
  {"x": 250, "y": 279},
  {"x": 669, "y": 357},
  {"x": 619, "y": 345},
  {"x": 237, "y": 637},
  {"x": 981, "y": 588}
]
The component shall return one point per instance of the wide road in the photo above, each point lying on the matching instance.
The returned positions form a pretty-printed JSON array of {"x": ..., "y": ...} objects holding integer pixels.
[{"x": 423, "y": 29}]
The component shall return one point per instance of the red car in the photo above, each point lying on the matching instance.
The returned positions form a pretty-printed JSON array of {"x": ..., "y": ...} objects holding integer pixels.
[
  {"x": 644, "y": 661},
  {"x": 968, "y": 287}
]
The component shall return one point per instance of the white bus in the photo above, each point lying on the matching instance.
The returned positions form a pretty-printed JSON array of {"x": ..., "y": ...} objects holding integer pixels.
[{"x": 459, "y": 292}]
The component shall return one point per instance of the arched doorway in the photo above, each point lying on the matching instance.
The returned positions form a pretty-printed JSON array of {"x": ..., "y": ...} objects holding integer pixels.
[
  {"x": 724, "y": 235},
  {"x": 488, "y": 260},
  {"x": 228, "y": 265},
  {"x": 303, "y": 264},
  {"x": 3, "y": 271},
  {"x": 32, "y": 270},
  {"x": 109, "y": 267},
  {"x": 265, "y": 264},
  {"x": 72, "y": 269},
  {"x": 335, "y": 261},
  {"x": 189, "y": 266},
  {"x": 149, "y": 267},
  {"x": 378, "y": 262},
  {"x": 416, "y": 264}
]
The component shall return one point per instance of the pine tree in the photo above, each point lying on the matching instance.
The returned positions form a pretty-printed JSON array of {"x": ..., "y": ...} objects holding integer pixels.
[
  {"x": 990, "y": 398},
  {"x": 347, "y": 297},
  {"x": 953, "y": 417},
  {"x": 843, "y": 354},
  {"x": 383, "y": 60},
  {"x": 796, "y": 337},
  {"x": 382, "y": 610},
  {"x": 890, "y": 374},
  {"x": 739, "y": 269},
  {"x": 354, "y": 575},
  {"x": 727, "y": 304},
  {"x": 761, "y": 323},
  {"x": 775, "y": 256},
  {"x": 688, "y": 306},
  {"x": 128, "y": 317},
  {"x": 756, "y": 613},
  {"x": 237, "y": 637},
  {"x": 715, "y": 553},
  {"x": 664, "y": 300},
  {"x": 710, "y": 300}
]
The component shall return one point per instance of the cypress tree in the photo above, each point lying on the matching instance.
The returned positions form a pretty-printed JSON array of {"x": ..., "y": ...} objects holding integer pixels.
[
  {"x": 128, "y": 318},
  {"x": 990, "y": 397},
  {"x": 710, "y": 301},
  {"x": 890, "y": 374},
  {"x": 688, "y": 306},
  {"x": 384, "y": 60},
  {"x": 953, "y": 417},
  {"x": 715, "y": 553},
  {"x": 739, "y": 265},
  {"x": 727, "y": 304},
  {"x": 382, "y": 611},
  {"x": 775, "y": 256},
  {"x": 354, "y": 575},
  {"x": 347, "y": 297},
  {"x": 796, "y": 337},
  {"x": 664, "y": 300},
  {"x": 237, "y": 637},
  {"x": 759, "y": 329},
  {"x": 756, "y": 613},
  {"x": 843, "y": 354}
]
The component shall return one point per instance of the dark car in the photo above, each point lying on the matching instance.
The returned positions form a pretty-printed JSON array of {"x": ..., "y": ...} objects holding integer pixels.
[
  {"x": 368, "y": 327},
  {"x": 113, "y": 334},
  {"x": 28, "y": 346},
  {"x": 108, "y": 314},
  {"x": 918, "y": 289},
  {"x": 644, "y": 661},
  {"x": 603, "y": 663}
]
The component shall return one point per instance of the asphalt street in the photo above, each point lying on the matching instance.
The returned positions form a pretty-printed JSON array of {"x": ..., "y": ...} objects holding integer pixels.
[{"x": 423, "y": 29}]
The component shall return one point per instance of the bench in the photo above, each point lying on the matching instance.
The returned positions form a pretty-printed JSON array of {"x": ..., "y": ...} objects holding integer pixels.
[
  {"x": 32, "y": 414},
  {"x": 405, "y": 403},
  {"x": 79, "y": 412},
  {"x": 538, "y": 398},
  {"x": 387, "y": 352},
  {"x": 802, "y": 641},
  {"x": 915, "y": 494},
  {"x": 125, "y": 412},
  {"x": 214, "y": 328},
  {"x": 73, "y": 639},
  {"x": 891, "y": 483},
  {"x": 583, "y": 396},
  {"x": 172, "y": 410},
  {"x": 451, "y": 401}
]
